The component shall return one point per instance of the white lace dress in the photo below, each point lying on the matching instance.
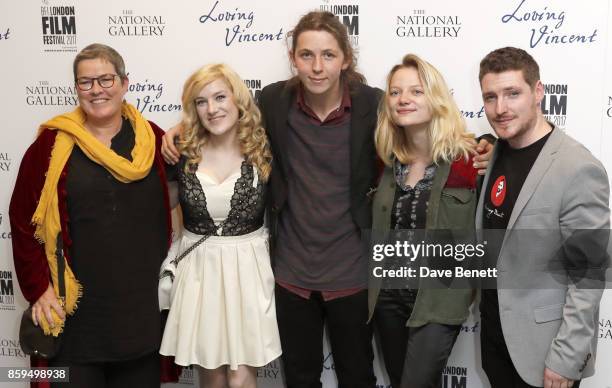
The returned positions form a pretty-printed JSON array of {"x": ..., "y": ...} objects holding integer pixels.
[{"x": 222, "y": 309}]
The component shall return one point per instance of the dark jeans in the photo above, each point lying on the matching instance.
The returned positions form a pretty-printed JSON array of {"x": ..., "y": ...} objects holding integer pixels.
[
  {"x": 414, "y": 356},
  {"x": 392, "y": 311},
  {"x": 142, "y": 372},
  {"x": 301, "y": 321},
  {"x": 496, "y": 361}
]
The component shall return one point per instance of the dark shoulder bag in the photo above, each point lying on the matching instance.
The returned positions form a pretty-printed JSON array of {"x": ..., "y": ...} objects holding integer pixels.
[{"x": 32, "y": 339}]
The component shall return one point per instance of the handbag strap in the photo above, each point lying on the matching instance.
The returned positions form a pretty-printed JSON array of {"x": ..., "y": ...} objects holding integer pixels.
[
  {"x": 59, "y": 256},
  {"x": 188, "y": 250},
  {"x": 180, "y": 257}
]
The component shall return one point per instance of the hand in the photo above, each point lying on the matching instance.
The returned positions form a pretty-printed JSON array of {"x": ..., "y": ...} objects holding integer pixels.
[
  {"x": 168, "y": 150},
  {"x": 42, "y": 308},
  {"x": 555, "y": 380},
  {"x": 484, "y": 151}
]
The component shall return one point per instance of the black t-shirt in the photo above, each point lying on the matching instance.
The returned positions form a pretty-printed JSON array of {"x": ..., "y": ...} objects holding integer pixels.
[
  {"x": 119, "y": 240},
  {"x": 505, "y": 183}
]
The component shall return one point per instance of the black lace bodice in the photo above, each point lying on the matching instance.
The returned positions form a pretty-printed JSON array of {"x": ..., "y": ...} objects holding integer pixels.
[{"x": 246, "y": 209}]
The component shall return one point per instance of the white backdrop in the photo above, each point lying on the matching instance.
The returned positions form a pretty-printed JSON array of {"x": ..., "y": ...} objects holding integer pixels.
[{"x": 164, "y": 41}]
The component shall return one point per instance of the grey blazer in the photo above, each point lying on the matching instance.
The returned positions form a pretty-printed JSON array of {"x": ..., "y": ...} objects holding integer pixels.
[{"x": 549, "y": 321}]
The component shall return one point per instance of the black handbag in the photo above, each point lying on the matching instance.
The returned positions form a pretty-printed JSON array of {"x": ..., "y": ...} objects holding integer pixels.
[{"x": 32, "y": 339}]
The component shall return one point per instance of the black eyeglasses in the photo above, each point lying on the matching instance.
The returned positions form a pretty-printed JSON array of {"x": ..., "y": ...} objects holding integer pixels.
[{"x": 105, "y": 81}]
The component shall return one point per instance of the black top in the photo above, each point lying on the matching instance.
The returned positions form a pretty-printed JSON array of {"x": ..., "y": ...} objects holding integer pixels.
[
  {"x": 505, "y": 182},
  {"x": 247, "y": 204},
  {"x": 119, "y": 240},
  {"x": 409, "y": 212},
  {"x": 410, "y": 203}
]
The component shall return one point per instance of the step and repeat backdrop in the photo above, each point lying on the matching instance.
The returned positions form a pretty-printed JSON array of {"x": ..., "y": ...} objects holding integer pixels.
[{"x": 164, "y": 41}]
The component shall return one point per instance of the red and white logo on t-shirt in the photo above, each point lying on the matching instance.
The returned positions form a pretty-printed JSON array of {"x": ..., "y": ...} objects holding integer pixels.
[{"x": 498, "y": 191}]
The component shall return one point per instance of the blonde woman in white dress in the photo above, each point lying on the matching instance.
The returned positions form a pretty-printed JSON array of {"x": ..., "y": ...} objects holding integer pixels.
[{"x": 222, "y": 316}]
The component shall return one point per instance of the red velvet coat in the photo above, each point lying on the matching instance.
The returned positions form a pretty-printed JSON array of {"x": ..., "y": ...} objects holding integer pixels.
[{"x": 29, "y": 256}]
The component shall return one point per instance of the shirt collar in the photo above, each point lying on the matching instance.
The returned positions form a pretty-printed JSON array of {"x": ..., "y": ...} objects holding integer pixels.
[{"x": 345, "y": 105}]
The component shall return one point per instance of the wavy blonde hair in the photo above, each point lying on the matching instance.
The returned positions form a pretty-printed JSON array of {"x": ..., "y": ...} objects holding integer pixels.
[
  {"x": 446, "y": 131},
  {"x": 251, "y": 135}
]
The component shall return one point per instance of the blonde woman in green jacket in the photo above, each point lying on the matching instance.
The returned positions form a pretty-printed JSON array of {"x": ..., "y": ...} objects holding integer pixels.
[{"x": 428, "y": 184}]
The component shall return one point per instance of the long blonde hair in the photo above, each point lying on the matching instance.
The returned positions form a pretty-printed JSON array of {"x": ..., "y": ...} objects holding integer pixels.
[
  {"x": 446, "y": 130},
  {"x": 251, "y": 135}
]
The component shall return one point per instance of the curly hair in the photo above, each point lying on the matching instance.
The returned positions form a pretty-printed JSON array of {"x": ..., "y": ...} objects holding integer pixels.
[
  {"x": 447, "y": 133},
  {"x": 251, "y": 135}
]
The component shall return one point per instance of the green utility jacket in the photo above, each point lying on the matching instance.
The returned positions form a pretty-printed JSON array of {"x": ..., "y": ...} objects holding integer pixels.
[{"x": 449, "y": 208}]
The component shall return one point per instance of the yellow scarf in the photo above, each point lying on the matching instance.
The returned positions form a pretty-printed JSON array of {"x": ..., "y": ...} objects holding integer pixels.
[{"x": 70, "y": 131}]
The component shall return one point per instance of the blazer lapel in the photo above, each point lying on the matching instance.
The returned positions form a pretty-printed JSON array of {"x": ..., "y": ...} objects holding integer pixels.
[
  {"x": 282, "y": 127},
  {"x": 360, "y": 129}
]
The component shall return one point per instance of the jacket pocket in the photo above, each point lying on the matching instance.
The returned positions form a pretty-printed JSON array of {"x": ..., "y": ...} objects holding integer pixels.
[
  {"x": 458, "y": 195},
  {"x": 549, "y": 313},
  {"x": 456, "y": 210}
]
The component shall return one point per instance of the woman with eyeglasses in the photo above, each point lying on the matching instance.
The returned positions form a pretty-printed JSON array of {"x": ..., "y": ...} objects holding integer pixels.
[{"x": 93, "y": 182}]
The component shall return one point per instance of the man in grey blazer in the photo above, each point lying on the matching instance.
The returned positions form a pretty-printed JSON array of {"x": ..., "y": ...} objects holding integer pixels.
[{"x": 539, "y": 325}]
